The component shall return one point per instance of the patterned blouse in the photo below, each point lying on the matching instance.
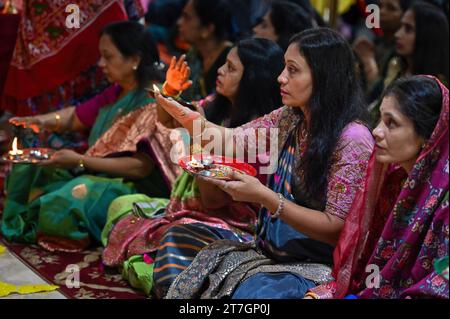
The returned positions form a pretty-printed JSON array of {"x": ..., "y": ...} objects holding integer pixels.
[{"x": 349, "y": 164}]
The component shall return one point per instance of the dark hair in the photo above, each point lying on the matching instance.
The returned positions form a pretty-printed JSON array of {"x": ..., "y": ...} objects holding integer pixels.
[
  {"x": 405, "y": 4},
  {"x": 259, "y": 92},
  {"x": 131, "y": 39},
  {"x": 164, "y": 13},
  {"x": 441, "y": 4},
  {"x": 217, "y": 13},
  {"x": 420, "y": 99},
  {"x": 431, "y": 51},
  {"x": 288, "y": 19},
  {"x": 337, "y": 100},
  {"x": 306, "y": 5}
]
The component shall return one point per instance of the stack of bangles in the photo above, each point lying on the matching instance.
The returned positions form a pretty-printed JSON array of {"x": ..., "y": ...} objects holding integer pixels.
[{"x": 167, "y": 90}]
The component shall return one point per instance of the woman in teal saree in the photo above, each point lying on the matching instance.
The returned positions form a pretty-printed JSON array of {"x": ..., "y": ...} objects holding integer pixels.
[{"x": 62, "y": 203}]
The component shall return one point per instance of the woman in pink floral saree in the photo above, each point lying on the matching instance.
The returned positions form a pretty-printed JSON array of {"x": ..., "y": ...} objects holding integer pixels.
[{"x": 398, "y": 229}]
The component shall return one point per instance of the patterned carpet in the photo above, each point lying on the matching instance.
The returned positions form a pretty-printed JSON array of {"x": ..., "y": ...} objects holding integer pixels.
[{"x": 59, "y": 269}]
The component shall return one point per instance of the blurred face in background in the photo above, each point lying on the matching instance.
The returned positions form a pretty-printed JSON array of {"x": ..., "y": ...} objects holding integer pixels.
[
  {"x": 189, "y": 25},
  {"x": 390, "y": 15},
  {"x": 406, "y": 36},
  {"x": 230, "y": 75},
  {"x": 265, "y": 29}
]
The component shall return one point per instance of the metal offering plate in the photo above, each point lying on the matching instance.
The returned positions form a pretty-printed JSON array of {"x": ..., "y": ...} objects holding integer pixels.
[
  {"x": 29, "y": 156},
  {"x": 217, "y": 167}
]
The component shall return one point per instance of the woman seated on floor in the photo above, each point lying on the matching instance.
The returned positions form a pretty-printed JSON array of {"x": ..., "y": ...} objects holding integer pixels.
[
  {"x": 62, "y": 203},
  {"x": 324, "y": 147},
  {"x": 191, "y": 219},
  {"x": 398, "y": 225}
]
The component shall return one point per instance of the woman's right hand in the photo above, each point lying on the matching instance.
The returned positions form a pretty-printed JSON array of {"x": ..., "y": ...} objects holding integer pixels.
[
  {"x": 36, "y": 123},
  {"x": 177, "y": 76}
]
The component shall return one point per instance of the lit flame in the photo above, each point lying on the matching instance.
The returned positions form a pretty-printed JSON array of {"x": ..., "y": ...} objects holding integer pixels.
[
  {"x": 156, "y": 88},
  {"x": 15, "y": 151}
]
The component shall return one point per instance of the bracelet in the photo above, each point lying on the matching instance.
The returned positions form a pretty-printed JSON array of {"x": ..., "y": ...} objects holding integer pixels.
[
  {"x": 280, "y": 207},
  {"x": 80, "y": 168},
  {"x": 81, "y": 164},
  {"x": 58, "y": 122},
  {"x": 202, "y": 128},
  {"x": 168, "y": 91},
  {"x": 312, "y": 295}
]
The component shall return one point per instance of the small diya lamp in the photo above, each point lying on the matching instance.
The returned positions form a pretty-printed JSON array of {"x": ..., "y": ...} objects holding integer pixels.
[
  {"x": 9, "y": 8},
  {"x": 15, "y": 154}
]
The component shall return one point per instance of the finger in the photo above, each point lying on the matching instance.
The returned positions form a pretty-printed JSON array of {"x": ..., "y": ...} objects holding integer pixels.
[
  {"x": 186, "y": 85},
  {"x": 219, "y": 183},
  {"x": 181, "y": 62},
  {"x": 223, "y": 185},
  {"x": 180, "y": 75},
  {"x": 186, "y": 72},
  {"x": 177, "y": 64},
  {"x": 18, "y": 121},
  {"x": 236, "y": 176},
  {"x": 184, "y": 68},
  {"x": 173, "y": 63}
]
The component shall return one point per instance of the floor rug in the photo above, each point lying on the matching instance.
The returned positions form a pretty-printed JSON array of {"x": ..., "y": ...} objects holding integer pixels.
[{"x": 79, "y": 275}]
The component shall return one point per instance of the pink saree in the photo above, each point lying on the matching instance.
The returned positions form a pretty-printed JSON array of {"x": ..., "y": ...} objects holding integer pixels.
[{"x": 398, "y": 225}]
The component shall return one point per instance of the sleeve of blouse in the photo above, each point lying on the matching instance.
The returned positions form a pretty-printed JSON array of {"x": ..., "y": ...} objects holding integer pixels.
[
  {"x": 87, "y": 112},
  {"x": 349, "y": 169},
  {"x": 256, "y": 128},
  {"x": 257, "y": 141}
]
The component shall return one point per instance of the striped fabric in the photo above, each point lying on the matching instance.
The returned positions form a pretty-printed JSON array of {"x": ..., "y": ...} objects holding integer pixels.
[{"x": 178, "y": 248}]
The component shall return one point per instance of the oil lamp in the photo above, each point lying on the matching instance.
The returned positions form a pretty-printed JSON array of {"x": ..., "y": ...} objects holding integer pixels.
[{"x": 15, "y": 153}]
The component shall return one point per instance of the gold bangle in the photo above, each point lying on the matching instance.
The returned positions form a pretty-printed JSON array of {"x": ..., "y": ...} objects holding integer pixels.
[
  {"x": 312, "y": 295},
  {"x": 81, "y": 163},
  {"x": 174, "y": 93},
  {"x": 58, "y": 122}
]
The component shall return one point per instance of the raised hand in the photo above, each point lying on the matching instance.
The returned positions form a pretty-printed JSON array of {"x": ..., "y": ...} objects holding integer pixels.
[{"x": 177, "y": 76}]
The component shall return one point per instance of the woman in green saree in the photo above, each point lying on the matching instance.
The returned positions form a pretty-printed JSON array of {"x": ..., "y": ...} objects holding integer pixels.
[{"x": 62, "y": 203}]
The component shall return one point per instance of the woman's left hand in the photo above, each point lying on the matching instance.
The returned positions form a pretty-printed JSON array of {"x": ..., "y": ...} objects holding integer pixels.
[
  {"x": 177, "y": 76},
  {"x": 66, "y": 159},
  {"x": 242, "y": 188}
]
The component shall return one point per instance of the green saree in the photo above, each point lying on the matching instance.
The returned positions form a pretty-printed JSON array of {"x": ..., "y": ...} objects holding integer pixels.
[{"x": 62, "y": 211}]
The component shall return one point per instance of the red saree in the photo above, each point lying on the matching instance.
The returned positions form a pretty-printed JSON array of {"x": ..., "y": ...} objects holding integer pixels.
[{"x": 48, "y": 54}]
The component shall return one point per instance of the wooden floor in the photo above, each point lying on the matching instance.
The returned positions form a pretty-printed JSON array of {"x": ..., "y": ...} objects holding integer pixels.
[{"x": 13, "y": 271}]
